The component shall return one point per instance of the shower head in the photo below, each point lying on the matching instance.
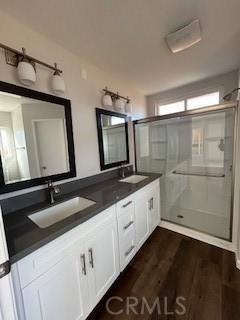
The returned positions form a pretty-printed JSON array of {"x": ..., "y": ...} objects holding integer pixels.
[{"x": 229, "y": 95}]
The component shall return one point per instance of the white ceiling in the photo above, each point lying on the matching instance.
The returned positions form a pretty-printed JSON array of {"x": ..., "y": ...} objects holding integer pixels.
[{"x": 126, "y": 37}]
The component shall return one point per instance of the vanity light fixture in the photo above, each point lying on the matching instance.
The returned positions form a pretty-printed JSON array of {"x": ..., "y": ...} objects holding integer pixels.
[
  {"x": 107, "y": 99},
  {"x": 119, "y": 104},
  {"x": 26, "y": 69},
  {"x": 118, "y": 101},
  {"x": 128, "y": 106},
  {"x": 58, "y": 85}
]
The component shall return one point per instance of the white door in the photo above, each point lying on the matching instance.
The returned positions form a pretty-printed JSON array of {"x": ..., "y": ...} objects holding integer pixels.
[
  {"x": 141, "y": 215},
  {"x": 59, "y": 294},
  {"x": 103, "y": 260},
  {"x": 51, "y": 149}
]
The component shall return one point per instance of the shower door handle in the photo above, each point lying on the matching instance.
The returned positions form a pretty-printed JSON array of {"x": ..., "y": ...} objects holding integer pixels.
[{"x": 199, "y": 174}]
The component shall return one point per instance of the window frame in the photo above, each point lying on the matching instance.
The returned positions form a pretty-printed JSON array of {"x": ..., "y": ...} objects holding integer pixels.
[{"x": 192, "y": 94}]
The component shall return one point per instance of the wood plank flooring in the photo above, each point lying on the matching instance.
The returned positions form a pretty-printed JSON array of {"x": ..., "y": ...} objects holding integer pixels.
[{"x": 175, "y": 277}]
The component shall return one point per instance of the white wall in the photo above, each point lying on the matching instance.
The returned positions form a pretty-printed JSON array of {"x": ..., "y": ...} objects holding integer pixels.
[
  {"x": 237, "y": 184},
  {"x": 11, "y": 164},
  {"x": 224, "y": 82},
  {"x": 85, "y": 95}
]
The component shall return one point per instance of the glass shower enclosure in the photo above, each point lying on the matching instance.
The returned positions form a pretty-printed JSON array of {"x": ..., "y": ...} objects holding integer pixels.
[{"x": 194, "y": 152}]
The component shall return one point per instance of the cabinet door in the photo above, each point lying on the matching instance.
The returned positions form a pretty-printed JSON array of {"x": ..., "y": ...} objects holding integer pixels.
[
  {"x": 154, "y": 207},
  {"x": 59, "y": 294},
  {"x": 103, "y": 260},
  {"x": 141, "y": 216}
]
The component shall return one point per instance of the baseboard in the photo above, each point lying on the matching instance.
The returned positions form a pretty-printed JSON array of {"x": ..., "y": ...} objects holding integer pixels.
[
  {"x": 237, "y": 261},
  {"x": 227, "y": 245}
]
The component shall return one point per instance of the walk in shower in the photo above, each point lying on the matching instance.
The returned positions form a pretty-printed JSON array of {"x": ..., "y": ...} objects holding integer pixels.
[{"x": 194, "y": 152}]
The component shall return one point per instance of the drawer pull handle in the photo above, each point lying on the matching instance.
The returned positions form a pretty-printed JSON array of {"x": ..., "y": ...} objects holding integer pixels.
[
  {"x": 83, "y": 263},
  {"x": 91, "y": 257},
  {"x": 129, "y": 251},
  {"x": 151, "y": 203},
  {"x": 128, "y": 225},
  {"x": 126, "y": 204}
]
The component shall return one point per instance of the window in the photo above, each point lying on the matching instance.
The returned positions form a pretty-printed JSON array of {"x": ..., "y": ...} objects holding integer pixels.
[
  {"x": 172, "y": 108},
  {"x": 116, "y": 120},
  {"x": 205, "y": 100}
]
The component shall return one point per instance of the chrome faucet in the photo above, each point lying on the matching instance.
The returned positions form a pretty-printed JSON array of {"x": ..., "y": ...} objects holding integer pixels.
[
  {"x": 52, "y": 190},
  {"x": 122, "y": 172}
]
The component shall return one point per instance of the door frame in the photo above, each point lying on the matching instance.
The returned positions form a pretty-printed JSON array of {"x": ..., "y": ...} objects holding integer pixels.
[
  {"x": 230, "y": 244},
  {"x": 36, "y": 151}
]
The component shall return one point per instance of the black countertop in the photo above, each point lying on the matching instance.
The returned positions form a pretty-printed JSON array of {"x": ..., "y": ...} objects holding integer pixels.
[{"x": 24, "y": 236}]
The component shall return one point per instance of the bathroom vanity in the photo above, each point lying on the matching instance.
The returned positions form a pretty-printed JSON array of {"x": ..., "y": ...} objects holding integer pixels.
[
  {"x": 67, "y": 244},
  {"x": 62, "y": 271}
]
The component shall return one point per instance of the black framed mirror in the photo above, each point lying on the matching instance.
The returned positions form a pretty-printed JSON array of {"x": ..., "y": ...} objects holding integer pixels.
[
  {"x": 36, "y": 138},
  {"x": 112, "y": 138}
]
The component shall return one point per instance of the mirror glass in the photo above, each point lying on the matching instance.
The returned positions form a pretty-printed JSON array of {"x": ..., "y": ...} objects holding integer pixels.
[
  {"x": 113, "y": 139},
  {"x": 33, "y": 138}
]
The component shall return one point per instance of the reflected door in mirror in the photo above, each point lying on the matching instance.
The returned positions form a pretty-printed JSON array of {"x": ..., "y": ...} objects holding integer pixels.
[{"x": 50, "y": 136}]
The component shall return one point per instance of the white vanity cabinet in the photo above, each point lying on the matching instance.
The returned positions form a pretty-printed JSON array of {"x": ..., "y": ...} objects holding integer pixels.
[
  {"x": 126, "y": 230},
  {"x": 138, "y": 215},
  {"x": 65, "y": 279},
  {"x": 154, "y": 206},
  {"x": 147, "y": 211},
  {"x": 142, "y": 203},
  {"x": 102, "y": 260},
  {"x": 60, "y": 293}
]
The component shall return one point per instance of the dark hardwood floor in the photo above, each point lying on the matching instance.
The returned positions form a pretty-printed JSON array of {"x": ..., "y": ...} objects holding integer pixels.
[{"x": 175, "y": 277}]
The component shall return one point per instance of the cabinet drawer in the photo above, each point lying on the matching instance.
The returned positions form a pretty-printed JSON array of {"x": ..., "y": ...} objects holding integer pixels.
[
  {"x": 127, "y": 248},
  {"x": 126, "y": 222},
  {"x": 125, "y": 205}
]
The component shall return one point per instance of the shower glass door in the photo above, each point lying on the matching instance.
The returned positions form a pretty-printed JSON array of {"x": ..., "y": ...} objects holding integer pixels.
[{"x": 195, "y": 156}]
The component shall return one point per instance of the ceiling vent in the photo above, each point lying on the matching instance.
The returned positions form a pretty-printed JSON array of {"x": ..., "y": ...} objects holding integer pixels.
[{"x": 184, "y": 37}]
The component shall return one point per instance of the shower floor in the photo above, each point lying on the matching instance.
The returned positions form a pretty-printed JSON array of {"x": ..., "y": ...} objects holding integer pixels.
[{"x": 202, "y": 205}]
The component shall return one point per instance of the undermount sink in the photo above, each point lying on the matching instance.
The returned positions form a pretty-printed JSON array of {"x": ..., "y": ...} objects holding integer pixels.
[
  {"x": 134, "y": 179},
  {"x": 58, "y": 212}
]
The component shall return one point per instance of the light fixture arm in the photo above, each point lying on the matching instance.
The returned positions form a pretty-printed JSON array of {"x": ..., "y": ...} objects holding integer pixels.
[
  {"x": 23, "y": 54},
  {"x": 114, "y": 95}
]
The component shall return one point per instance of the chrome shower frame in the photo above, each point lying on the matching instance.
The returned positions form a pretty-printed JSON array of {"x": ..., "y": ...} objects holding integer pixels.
[{"x": 192, "y": 113}]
